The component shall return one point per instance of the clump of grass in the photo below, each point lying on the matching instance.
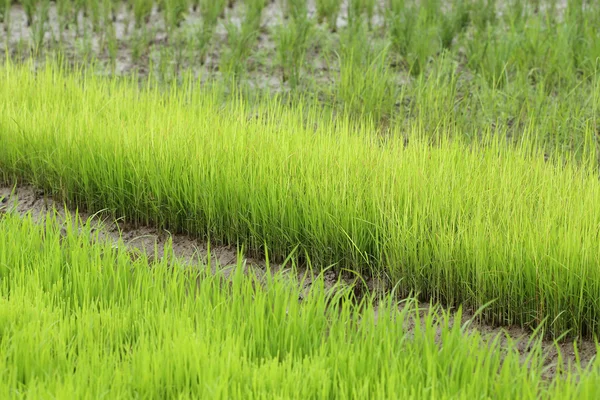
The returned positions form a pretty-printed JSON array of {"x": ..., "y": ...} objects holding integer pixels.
[
  {"x": 328, "y": 10},
  {"x": 241, "y": 39},
  {"x": 174, "y": 12},
  {"x": 4, "y": 11},
  {"x": 365, "y": 85},
  {"x": 292, "y": 39},
  {"x": 413, "y": 32},
  {"x": 358, "y": 8},
  {"x": 39, "y": 24},
  {"x": 142, "y": 10},
  {"x": 210, "y": 11}
]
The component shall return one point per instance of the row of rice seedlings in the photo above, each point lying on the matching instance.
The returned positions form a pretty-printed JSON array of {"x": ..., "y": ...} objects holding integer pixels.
[
  {"x": 548, "y": 46},
  {"x": 457, "y": 223},
  {"x": 448, "y": 99},
  {"x": 83, "y": 318}
]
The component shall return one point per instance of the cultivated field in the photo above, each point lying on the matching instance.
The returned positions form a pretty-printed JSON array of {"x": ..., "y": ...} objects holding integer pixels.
[{"x": 353, "y": 158}]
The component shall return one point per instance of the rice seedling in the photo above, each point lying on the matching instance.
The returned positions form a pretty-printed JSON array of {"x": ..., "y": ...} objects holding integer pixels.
[
  {"x": 294, "y": 8},
  {"x": 83, "y": 318},
  {"x": 460, "y": 223},
  {"x": 141, "y": 12},
  {"x": 4, "y": 10},
  {"x": 39, "y": 24},
  {"x": 174, "y": 13},
  {"x": 241, "y": 40},
  {"x": 365, "y": 85},
  {"x": 29, "y": 7},
  {"x": 210, "y": 11},
  {"x": 292, "y": 39},
  {"x": 358, "y": 8},
  {"x": 328, "y": 10}
]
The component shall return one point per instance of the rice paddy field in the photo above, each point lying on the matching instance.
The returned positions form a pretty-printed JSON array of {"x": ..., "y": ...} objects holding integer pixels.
[{"x": 339, "y": 199}]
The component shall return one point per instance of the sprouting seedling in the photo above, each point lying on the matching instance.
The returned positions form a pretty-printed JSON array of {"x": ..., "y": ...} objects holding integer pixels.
[
  {"x": 29, "y": 7},
  {"x": 39, "y": 24},
  {"x": 329, "y": 10},
  {"x": 292, "y": 43},
  {"x": 210, "y": 11},
  {"x": 175, "y": 11},
  {"x": 358, "y": 8},
  {"x": 141, "y": 11},
  {"x": 4, "y": 9}
]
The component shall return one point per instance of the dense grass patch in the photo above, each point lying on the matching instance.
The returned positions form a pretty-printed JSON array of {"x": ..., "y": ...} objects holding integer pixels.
[
  {"x": 81, "y": 318},
  {"x": 456, "y": 223}
]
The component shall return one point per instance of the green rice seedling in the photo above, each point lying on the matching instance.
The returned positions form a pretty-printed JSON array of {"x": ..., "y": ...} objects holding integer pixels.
[
  {"x": 296, "y": 9},
  {"x": 29, "y": 6},
  {"x": 238, "y": 49},
  {"x": 79, "y": 8},
  {"x": 84, "y": 318},
  {"x": 112, "y": 46},
  {"x": 365, "y": 86},
  {"x": 292, "y": 40},
  {"x": 64, "y": 9},
  {"x": 358, "y": 8},
  {"x": 175, "y": 13},
  {"x": 483, "y": 13},
  {"x": 210, "y": 11},
  {"x": 328, "y": 10},
  {"x": 413, "y": 33},
  {"x": 454, "y": 22},
  {"x": 253, "y": 15},
  {"x": 240, "y": 40},
  {"x": 139, "y": 44},
  {"x": 5, "y": 18},
  {"x": 40, "y": 24},
  {"x": 110, "y": 9},
  {"x": 4, "y": 10},
  {"x": 401, "y": 21},
  {"x": 461, "y": 214},
  {"x": 141, "y": 11},
  {"x": 95, "y": 14}
]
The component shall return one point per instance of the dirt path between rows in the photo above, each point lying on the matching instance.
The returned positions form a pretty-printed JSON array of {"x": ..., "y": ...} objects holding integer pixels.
[{"x": 27, "y": 199}]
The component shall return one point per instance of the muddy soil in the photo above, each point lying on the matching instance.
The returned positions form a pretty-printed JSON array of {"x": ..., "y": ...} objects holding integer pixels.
[{"x": 29, "y": 200}]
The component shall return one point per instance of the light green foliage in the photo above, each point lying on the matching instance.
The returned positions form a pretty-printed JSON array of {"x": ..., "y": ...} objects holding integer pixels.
[
  {"x": 328, "y": 10},
  {"x": 174, "y": 13},
  {"x": 210, "y": 11},
  {"x": 365, "y": 86},
  {"x": 83, "y": 318},
  {"x": 358, "y": 8},
  {"x": 4, "y": 10},
  {"x": 292, "y": 40},
  {"x": 241, "y": 39},
  {"x": 463, "y": 224},
  {"x": 39, "y": 22},
  {"x": 141, "y": 11}
]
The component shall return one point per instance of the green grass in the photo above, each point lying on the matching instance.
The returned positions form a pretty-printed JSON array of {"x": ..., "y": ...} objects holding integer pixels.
[
  {"x": 83, "y": 318},
  {"x": 458, "y": 223}
]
